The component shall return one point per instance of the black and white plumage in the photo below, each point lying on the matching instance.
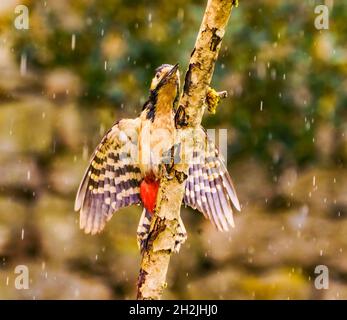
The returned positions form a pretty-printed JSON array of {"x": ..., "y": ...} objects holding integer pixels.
[
  {"x": 112, "y": 180},
  {"x": 119, "y": 167},
  {"x": 209, "y": 187}
]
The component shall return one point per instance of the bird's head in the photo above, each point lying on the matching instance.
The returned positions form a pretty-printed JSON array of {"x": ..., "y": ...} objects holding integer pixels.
[
  {"x": 164, "y": 91},
  {"x": 166, "y": 79}
]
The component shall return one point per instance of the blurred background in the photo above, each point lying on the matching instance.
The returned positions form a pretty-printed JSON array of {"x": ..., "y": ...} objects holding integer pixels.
[{"x": 83, "y": 64}]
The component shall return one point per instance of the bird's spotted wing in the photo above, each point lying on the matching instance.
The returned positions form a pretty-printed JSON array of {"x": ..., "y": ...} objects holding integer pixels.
[
  {"x": 112, "y": 179},
  {"x": 209, "y": 188}
]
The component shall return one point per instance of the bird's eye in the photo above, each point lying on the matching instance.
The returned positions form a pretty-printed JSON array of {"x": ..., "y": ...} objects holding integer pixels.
[{"x": 157, "y": 75}]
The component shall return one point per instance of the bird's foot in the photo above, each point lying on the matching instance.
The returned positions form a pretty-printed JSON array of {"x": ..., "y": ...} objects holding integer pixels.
[
  {"x": 166, "y": 170},
  {"x": 180, "y": 118},
  {"x": 169, "y": 174}
]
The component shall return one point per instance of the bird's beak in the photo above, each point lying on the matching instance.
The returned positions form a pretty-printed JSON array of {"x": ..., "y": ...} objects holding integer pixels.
[
  {"x": 169, "y": 75},
  {"x": 173, "y": 70}
]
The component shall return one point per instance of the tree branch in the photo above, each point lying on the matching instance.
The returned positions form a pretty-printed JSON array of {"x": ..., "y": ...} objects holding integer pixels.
[{"x": 162, "y": 237}]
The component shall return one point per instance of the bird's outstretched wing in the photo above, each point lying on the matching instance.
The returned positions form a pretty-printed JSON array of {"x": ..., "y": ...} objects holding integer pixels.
[
  {"x": 112, "y": 179},
  {"x": 209, "y": 188}
]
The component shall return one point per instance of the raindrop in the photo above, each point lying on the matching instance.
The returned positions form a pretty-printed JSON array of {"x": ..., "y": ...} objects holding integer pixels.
[
  {"x": 273, "y": 74},
  {"x": 22, "y": 235},
  {"x": 102, "y": 129},
  {"x": 150, "y": 20},
  {"x": 23, "y": 64},
  {"x": 261, "y": 105},
  {"x": 85, "y": 152},
  {"x": 73, "y": 42},
  {"x": 180, "y": 14},
  {"x": 77, "y": 292}
]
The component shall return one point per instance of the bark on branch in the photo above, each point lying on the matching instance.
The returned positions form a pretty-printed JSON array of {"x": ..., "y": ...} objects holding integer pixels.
[{"x": 156, "y": 258}]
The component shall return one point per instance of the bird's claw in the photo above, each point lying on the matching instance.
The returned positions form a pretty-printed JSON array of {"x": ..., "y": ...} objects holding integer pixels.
[
  {"x": 169, "y": 175},
  {"x": 166, "y": 171},
  {"x": 213, "y": 98}
]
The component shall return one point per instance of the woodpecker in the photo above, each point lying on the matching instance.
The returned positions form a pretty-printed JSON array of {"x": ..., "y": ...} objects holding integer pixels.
[{"x": 125, "y": 168}]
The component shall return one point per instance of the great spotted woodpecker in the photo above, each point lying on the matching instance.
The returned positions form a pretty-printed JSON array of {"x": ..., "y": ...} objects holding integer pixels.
[{"x": 125, "y": 168}]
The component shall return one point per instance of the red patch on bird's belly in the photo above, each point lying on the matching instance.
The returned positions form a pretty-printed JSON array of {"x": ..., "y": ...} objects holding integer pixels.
[{"x": 148, "y": 194}]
